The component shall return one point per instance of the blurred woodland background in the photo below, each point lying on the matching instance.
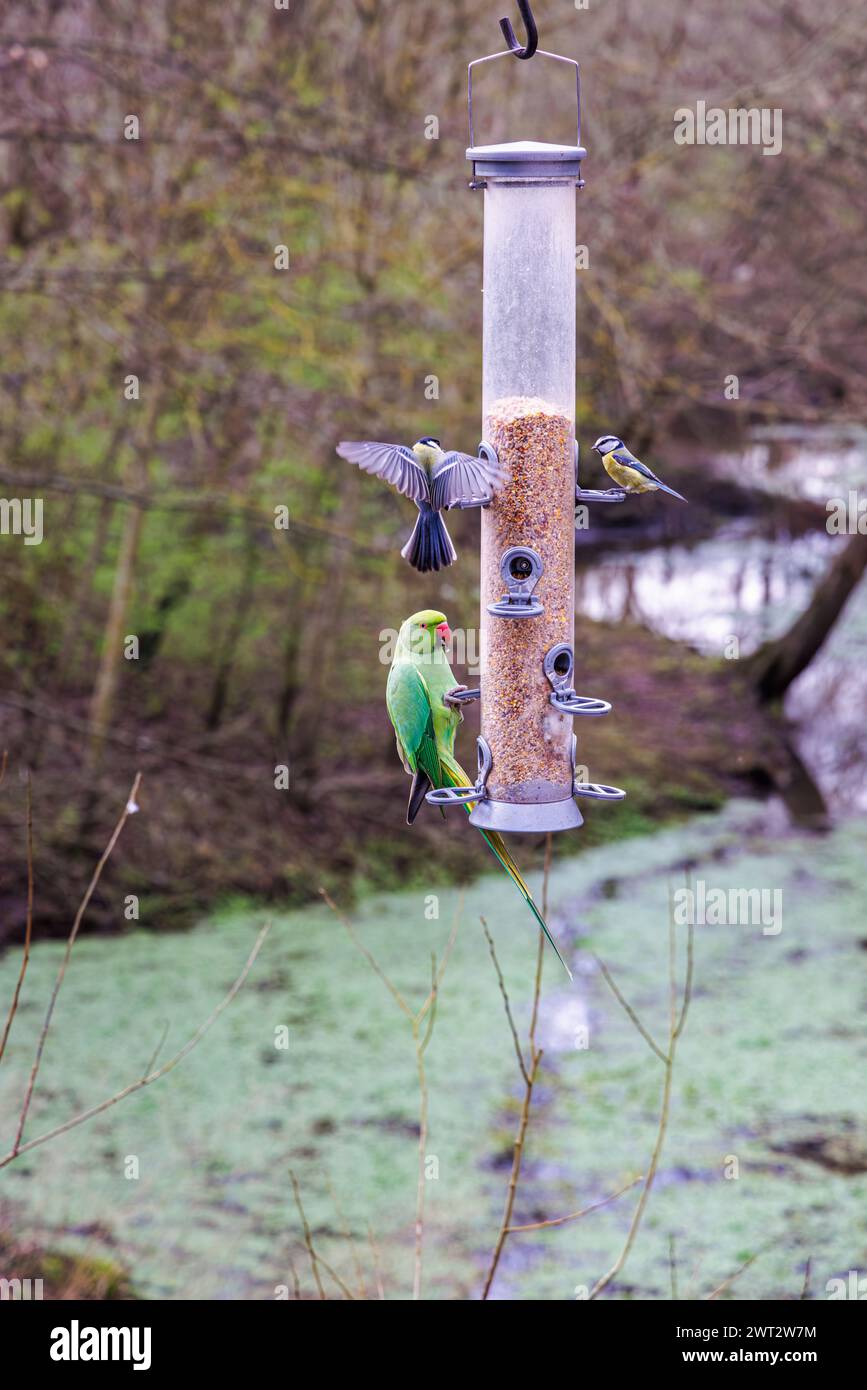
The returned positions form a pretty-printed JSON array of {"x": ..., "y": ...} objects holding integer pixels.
[{"x": 156, "y": 257}]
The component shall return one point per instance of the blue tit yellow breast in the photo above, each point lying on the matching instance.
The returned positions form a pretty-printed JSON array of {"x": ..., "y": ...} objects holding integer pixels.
[{"x": 624, "y": 476}]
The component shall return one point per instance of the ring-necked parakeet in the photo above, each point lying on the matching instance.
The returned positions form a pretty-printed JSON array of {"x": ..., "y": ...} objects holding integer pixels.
[{"x": 425, "y": 725}]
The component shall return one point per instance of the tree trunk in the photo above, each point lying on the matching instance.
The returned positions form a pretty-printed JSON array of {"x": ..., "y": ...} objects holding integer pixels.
[
  {"x": 775, "y": 665},
  {"x": 108, "y": 675},
  {"x": 233, "y": 632},
  {"x": 319, "y": 654},
  {"x": 67, "y": 660}
]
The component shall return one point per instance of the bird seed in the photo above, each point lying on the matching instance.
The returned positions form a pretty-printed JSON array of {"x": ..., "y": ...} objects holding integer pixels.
[{"x": 531, "y": 744}]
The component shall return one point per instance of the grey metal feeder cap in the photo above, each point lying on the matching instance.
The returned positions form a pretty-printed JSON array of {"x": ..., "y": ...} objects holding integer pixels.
[{"x": 527, "y": 159}]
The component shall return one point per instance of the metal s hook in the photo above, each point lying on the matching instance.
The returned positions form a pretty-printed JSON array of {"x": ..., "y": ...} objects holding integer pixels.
[{"x": 532, "y": 43}]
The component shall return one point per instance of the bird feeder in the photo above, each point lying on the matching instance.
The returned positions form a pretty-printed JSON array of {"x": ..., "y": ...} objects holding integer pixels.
[{"x": 527, "y": 748}]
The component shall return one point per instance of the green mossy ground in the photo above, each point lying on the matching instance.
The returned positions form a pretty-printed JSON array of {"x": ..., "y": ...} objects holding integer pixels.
[{"x": 768, "y": 1073}]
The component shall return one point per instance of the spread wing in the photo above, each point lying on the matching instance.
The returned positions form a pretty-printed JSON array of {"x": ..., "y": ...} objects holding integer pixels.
[
  {"x": 393, "y": 463},
  {"x": 461, "y": 478},
  {"x": 623, "y": 456}
]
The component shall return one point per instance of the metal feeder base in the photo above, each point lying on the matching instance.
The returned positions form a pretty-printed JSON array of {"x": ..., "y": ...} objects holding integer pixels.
[{"x": 537, "y": 817}]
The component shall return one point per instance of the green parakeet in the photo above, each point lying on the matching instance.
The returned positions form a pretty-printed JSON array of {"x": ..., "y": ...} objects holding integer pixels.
[{"x": 425, "y": 727}]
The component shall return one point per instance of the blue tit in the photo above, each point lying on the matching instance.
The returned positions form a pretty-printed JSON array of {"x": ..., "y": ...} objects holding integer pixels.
[
  {"x": 626, "y": 470},
  {"x": 435, "y": 481}
]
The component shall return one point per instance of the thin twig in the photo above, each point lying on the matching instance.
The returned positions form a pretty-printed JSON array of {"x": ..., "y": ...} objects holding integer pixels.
[
  {"x": 431, "y": 999},
  {"x": 308, "y": 1238},
  {"x": 672, "y": 981},
  {"x": 429, "y": 1008},
  {"x": 61, "y": 974},
  {"x": 687, "y": 988},
  {"x": 422, "y": 1129},
  {"x": 805, "y": 1289},
  {"x": 420, "y": 1043},
  {"x": 529, "y": 1074},
  {"x": 540, "y": 956},
  {"x": 645, "y": 1191},
  {"x": 628, "y": 1009},
  {"x": 546, "y": 872},
  {"x": 154, "y": 1076},
  {"x": 157, "y": 1050},
  {"x": 430, "y": 1027},
  {"x": 329, "y": 1270},
  {"x": 732, "y": 1277},
  {"x": 690, "y": 961},
  {"x": 348, "y": 1236},
  {"x": 374, "y": 965},
  {"x": 432, "y": 1011},
  {"x": 676, "y": 1022},
  {"x": 537, "y": 993},
  {"x": 28, "y": 930},
  {"x": 575, "y": 1215},
  {"x": 511, "y": 1192},
  {"x": 377, "y": 1272},
  {"x": 501, "y": 982}
]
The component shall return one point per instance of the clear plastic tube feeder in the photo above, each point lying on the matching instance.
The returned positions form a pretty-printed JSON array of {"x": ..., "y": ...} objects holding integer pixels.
[{"x": 528, "y": 701}]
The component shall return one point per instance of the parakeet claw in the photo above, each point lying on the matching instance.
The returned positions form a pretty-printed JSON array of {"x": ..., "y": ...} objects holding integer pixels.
[
  {"x": 458, "y": 696},
  {"x": 453, "y": 700}
]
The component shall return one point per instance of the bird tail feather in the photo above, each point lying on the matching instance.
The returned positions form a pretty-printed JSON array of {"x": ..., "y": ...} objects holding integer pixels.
[
  {"x": 497, "y": 846},
  {"x": 430, "y": 545},
  {"x": 670, "y": 490},
  {"x": 421, "y": 784}
]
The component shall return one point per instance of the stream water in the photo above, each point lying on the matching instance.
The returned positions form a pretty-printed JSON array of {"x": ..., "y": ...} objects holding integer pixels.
[{"x": 748, "y": 582}]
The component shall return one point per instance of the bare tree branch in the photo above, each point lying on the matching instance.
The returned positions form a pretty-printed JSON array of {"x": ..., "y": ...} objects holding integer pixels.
[
  {"x": 28, "y": 930},
  {"x": 153, "y": 1076},
  {"x": 129, "y": 807}
]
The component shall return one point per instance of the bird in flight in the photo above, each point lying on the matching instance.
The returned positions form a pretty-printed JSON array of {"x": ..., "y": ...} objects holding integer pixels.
[{"x": 435, "y": 481}]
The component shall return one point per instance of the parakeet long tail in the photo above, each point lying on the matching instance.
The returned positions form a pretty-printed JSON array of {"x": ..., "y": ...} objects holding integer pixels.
[{"x": 497, "y": 846}]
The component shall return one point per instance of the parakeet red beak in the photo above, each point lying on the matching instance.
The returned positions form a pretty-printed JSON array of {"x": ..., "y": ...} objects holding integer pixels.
[{"x": 444, "y": 631}]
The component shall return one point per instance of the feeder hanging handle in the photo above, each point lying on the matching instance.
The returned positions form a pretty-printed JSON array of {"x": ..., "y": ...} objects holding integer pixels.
[
  {"x": 532, "y": 43},
  {"x": 527, "y": 51}
]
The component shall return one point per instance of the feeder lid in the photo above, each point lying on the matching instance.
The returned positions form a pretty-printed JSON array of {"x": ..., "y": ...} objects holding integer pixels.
[{"x": 531, "y": 159}]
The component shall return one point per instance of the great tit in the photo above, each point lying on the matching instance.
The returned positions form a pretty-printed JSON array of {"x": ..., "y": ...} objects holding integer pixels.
[{"x": 435, "y": 481}]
